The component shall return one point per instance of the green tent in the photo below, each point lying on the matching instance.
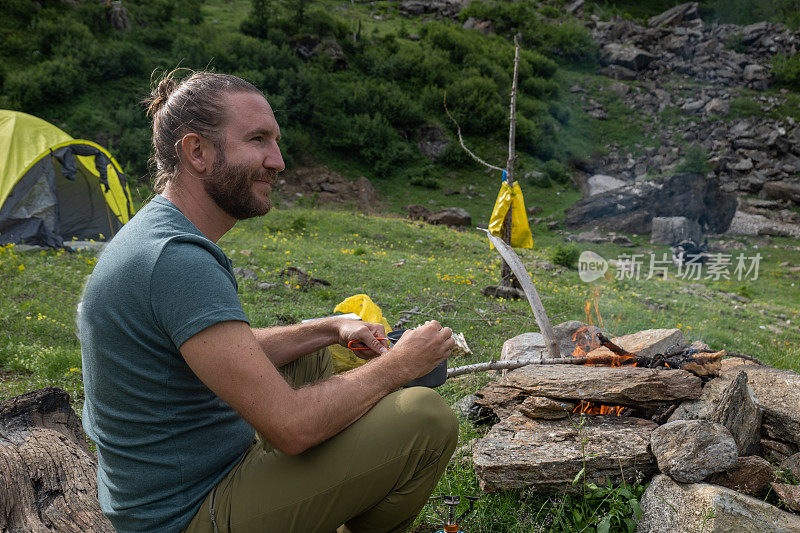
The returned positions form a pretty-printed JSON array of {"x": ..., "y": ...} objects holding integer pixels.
[{"x": 55, "y": 188}]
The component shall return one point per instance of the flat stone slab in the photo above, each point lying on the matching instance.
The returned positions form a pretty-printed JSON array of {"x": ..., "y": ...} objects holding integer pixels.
[
  {"x": 547, "y": 454},
  {"x": 668, "y": 506},
  {"x": 628, "y": 386},
  {"x": 647, "y": 343}
]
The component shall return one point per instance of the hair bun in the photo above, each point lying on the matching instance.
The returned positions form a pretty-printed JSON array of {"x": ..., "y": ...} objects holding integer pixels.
[{"x": 160, "y": 94}]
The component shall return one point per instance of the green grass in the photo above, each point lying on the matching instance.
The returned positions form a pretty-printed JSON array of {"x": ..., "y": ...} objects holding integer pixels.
[{"x": 442, "y": 273}]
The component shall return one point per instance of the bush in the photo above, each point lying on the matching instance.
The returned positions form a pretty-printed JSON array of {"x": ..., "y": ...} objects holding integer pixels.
[
  {"x": 695, "y": 161},
  {"x": 476, "y": 105},
  {"x": 47, "y": 83},
  {"x": 556, "y": 171},
  {"x": 569, "y": 41},
  {"x": 114, "y": 59},
  {"x": 505, "y": 16},
  {"x": 564, "y": 255},
  {"x": 736, "y": 43},
  {"x": 786, "y": 70}
]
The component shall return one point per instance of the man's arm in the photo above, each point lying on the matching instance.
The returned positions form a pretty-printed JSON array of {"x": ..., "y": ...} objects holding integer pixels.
[
  {"x": 284, "y": 344},
  {"x": 228, "y": 359}
]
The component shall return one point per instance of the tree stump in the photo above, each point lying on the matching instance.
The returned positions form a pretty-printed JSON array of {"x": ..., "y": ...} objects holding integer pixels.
[{"x": 47, "y": 472}]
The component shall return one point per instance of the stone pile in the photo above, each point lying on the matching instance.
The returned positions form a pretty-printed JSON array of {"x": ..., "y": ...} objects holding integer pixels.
[
  {"x": 706, "y": 441},
  {"x": 694, "y": 71}
]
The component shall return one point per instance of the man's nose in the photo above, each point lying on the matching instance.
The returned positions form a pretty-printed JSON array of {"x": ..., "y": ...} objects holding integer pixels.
[{"x": 275, "y": 159}]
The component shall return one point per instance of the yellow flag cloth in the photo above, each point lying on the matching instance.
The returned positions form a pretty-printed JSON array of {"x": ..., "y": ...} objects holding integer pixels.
[
  {"x": 362, "y": 305},
  {"x": 521, "y": 236}
]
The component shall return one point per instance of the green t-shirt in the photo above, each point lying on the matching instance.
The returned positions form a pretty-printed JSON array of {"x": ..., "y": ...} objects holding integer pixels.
[{"x": 163, "y": 438}]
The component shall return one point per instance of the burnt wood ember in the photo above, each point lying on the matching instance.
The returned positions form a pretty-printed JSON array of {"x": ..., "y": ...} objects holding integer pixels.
[{"x": 699, "y": 362}]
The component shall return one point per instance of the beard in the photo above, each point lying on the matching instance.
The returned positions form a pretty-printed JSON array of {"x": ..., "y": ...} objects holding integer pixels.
[{"x": 230, "y": 186}]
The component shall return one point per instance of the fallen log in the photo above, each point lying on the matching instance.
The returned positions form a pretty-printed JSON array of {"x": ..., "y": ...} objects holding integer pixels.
[{"x": 49, "y": 474}]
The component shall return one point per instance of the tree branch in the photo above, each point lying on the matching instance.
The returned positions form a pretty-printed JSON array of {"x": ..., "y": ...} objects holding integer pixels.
[
  {"x": 461, "y": 139},
  {"x": 511, "y": 365}
]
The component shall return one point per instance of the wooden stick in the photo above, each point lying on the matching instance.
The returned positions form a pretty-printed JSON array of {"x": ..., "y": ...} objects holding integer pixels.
[
  {"x": 511, "y": 365},
  {"x": 506, "y": 276},
  {"x": 511, "y": 257},
  {"x": 461, "y": 139}
]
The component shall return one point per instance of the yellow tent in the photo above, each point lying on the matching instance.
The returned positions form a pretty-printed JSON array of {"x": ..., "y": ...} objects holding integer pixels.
[{"x": 54, "y": 188}]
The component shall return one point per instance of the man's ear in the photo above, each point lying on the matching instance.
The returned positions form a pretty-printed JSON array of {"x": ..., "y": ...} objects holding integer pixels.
[{"x": 197, "y": 153}]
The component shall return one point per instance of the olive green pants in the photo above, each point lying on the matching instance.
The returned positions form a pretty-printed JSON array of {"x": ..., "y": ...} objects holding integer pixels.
[{"x": 374, "y": 476}]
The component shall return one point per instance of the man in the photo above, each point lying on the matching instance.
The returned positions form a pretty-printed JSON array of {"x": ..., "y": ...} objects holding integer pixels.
[{"x": 203, "y": 424}]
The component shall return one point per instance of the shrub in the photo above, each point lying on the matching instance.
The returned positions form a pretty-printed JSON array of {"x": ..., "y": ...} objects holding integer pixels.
[
  {"x": 564, "y": 255},
  {"x": 46, "y": 83},
  {"x": 556, "y": 171},
  {"x": 569, "y": 41},
  {"x": 113, "y": 59},
  {"x": 476, "y": 104},
  {"x": 695, "y": 161},
  {"x": 786, "y": 70},
  {"x": 505, "y": 16},
  {"x": 736, "y": 43}
]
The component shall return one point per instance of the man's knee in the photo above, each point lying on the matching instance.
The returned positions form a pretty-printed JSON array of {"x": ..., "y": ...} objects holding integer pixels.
[{"x": 422, "y": 411}]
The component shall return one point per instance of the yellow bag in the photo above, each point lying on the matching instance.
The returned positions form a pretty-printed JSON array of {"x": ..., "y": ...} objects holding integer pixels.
[
  {"x": 521, "y": 236},
  {"x": 362, "y": 305}
]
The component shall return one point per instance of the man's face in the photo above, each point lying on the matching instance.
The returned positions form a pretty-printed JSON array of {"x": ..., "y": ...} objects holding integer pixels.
[{"x": 249, "y": 160}]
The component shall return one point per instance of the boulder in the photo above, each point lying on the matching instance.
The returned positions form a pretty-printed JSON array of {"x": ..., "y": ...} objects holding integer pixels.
[
  {"x": 631, "y": 208},
  {"x": 524, "y": 347},
  {"x": 668, "y": 506},
  {"x": 792, "y": 465},
  {"x": 777, "y": 392},
  {"x": 737, "y": 411},
  {"x": 777, "y": 450},
  {"x": 432, "y": 141},
  {"x": 574, "y": 333},
  {"x": 600, "y": 183},
  {"x": 717, "y": 106},
  {"x": 672, "y": 230},
  {"x": 625, "y": 55},
  {"x": 755, "y": 73},
  {"x": 750, "y": 475},
  {"x": 675, "y": 16},
  {"x": 546, "y": 408},
  {"x": 789, "y": 494},
  {"x": 451, "y": 216},
  {"x": 546, "y": 455},
  {"x": 690, "y": 450},
  {"x": 782, "y": 190},
  {"x": 418, "y": 212}
]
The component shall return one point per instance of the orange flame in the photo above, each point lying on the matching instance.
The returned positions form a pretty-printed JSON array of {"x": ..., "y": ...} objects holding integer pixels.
[{"x": 585, "y": 341}]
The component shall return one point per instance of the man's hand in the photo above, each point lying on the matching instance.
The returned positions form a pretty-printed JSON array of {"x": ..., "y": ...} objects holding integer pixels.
[
  {"x": 422, "y": 348},
  {"x": 366, "y": 333}
]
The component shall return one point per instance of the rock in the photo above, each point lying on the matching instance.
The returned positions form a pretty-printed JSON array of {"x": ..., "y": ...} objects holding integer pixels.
[
  {"x": 631, "y": 209},
  {"x": 647, "y": 343},
  {"x": 622, "y": 240},
  {"x": 546, "y": 455},
  {"x": 618, "y": 72},
  {"x": 501, "y": 291},
  {"x": 118, "y": 16},
  {"x": 717, "y": 106},
  {"x": 625, "y": 55},
  {"x": 777, "y": 392},
  {"x": 524, "y": 347},
  {"x": 418, "y": 212},
  {"x": 672, "y": 230},
  {"x": 575, "y": 6},
  {"x": 690, "y": 450},
  {"x": 600, "y": 183},
  {"x": 365, "y": 192},
  {"x": 545, "y": 408},
  {"x": 627, "y": 386},
  {"x": 592, "y": 236},
  {"x": 677, "y": 15},
  {"x": 750, "y": 475},
  {"x": 573, "y": 334},
  {"x": 792, "y": 465},
  {"x": 789, "y": 494},
  {"x": 245, "y": 273},
  {"x": 737, "y": 411},
  {"x": 462, "y": 407},
  {"x": 620, "y": 88},
  {"x": 432, "y": 142},
  {"x": 265, "y": 285},
  {"x": 754, "y": 32},
  {"x": 300, "y": 277},
  {"x": 668, "y": 506},
  {"x": 777, "y": 450},
  {"x": 755, "y": 72},
  {"x": 534, "y": 210},
  {"x": 743, "y": 165},
  {"x": 782, "y": 190},
  {"x": 451, "y": 216}
]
